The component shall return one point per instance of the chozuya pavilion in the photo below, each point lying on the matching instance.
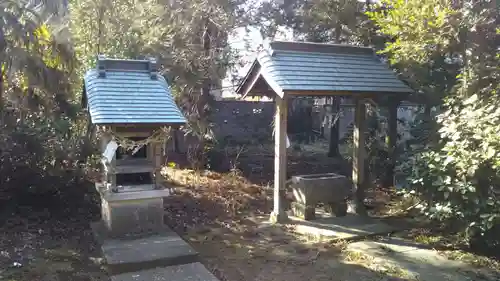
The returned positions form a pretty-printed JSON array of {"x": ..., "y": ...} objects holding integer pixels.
[{"x": 291, "y": 69}]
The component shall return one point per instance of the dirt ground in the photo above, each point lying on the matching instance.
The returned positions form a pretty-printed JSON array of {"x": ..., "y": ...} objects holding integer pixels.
[
  {"x": 275, "y": 255},
  {"x": 219, "y": 214},
  {"x": 37, "y": 248}
]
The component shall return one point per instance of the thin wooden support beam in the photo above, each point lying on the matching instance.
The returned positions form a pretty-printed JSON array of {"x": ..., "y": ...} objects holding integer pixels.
[
  {"x": 278, "y": 214},
  {"x": 157, "y": 150},
  {"x": 359, "y": 156}
]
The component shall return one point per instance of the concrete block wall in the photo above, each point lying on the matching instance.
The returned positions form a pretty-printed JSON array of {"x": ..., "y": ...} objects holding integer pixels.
[{"x": 243, "y": 121}]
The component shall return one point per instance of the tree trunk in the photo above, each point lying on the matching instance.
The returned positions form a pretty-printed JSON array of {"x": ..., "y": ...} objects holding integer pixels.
[
  {"x": 333, "y": 149},
  {"x": 360, "y": 175},
  {"x": 204, "y": 95},
  {"x": 2, "y": 104},
  {"x": 391, "y": 142},
  {"x": 1, "y": 89}
]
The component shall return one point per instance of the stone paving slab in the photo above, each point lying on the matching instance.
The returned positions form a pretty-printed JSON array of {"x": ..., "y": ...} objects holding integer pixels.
[
  {"x": 162, "y": 249},
  {"x": 150, "y": 248},
  {"x": 418, "y": 261},
  {"x": 340, "y": 228},
  {"x": 186, "y": 272}
]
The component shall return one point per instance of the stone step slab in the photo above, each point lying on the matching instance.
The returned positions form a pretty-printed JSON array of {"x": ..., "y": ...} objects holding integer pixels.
[
  {"x": 144, "y": 252},
  {"x": 186, "y": 272}
]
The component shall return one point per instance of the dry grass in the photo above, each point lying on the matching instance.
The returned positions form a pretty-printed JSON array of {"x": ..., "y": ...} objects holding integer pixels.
[
  {"x": 356, "y": 257},
  {"x": 472, "y": 259},
  {"x": 449, "y": 246},
  {"x": 209, "y": 198}
]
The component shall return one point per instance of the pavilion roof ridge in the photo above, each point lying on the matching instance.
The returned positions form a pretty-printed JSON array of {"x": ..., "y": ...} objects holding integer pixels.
[
  {"x": 313, "y": 47},
  {"x": 307, "y": 68}
]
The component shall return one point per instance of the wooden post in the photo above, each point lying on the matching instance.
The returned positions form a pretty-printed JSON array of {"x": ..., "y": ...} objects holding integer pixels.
[
  {"x": 391, "y": 141},
  {"x": 156, "y": 151},
  {"x": 359, "y": 156},
  {"x": 175, "y": 141},
  {"x": 280, "y": 162}
]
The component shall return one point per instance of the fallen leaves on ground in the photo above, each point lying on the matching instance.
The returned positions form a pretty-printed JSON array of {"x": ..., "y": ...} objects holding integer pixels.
[{"x": 206, "y": 198}]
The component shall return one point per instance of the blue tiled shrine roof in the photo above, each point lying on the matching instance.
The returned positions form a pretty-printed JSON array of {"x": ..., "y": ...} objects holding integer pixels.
[{"x": 129, "y": 92}]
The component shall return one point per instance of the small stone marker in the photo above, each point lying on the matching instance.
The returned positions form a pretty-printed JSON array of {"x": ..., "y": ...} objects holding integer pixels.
[
  {"x": 185, "y": 272},
  {"x": 110, "y": 151}
]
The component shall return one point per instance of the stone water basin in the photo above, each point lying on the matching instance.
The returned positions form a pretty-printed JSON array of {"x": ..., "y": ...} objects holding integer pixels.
[{"x": 331, "y": 189}]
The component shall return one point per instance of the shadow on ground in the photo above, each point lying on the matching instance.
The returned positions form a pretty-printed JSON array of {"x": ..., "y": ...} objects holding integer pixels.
[
  {"x": 254, "y": 253},
  {"x": 219, "y": 215},
  {"x": 49, "y": 241}
]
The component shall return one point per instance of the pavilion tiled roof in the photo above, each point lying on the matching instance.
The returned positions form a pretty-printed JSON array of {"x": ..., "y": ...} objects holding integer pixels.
[{"x": 302, "y": 66}]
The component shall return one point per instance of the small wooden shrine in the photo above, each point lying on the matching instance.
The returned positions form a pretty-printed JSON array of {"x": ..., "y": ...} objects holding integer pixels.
[{"x": 131, "y": 110}]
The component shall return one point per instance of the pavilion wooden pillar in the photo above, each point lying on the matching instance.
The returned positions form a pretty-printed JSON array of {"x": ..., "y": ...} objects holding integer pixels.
[
  {"x": 278, "y": 214},
  {"x": 359, "y": 156},
  {"x": 391, "y": 141}
]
